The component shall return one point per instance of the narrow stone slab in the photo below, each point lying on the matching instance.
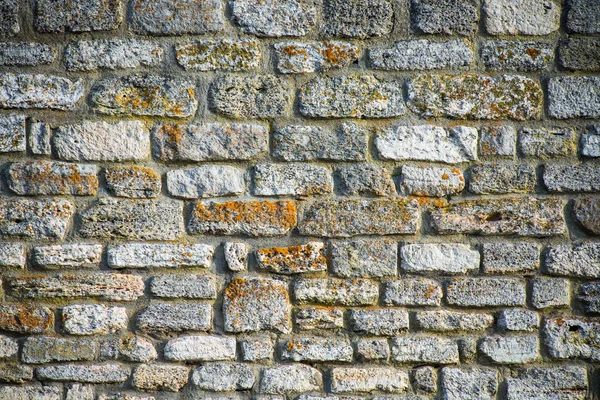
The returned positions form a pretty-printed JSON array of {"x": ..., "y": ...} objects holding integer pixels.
[
  {"x": 35, "y": 219},
  {"x": 572, "y": 178},
  {"x": 291, "y": 180},
  {"x": 30, "y": 392},
  {"x": 103, "y": 373},
  {"x": 206, "y": 181},
  {"x": 354, "y": 292},
  {"x": 184, "y": 17},
  {"x": 574, "y": 97},
  {"x": 465, "y": 383},
  {"x": 507, "y": 258},
  {"x": 298, "y": 57},
  {"x": 292, "y": 260},
  {"x": 357, "y": 19},
  {"x": 190, "y": 286},
  {"x": 369, "y": 379},
  {"x": 161, "y": 319},
  {"x": 77, "y": 16},
  {"x": 39, "y": 91},
  {"x": 146, "y": 255},
  {"x": 379, "y": 322},
  {"x": 517, "y": 55},
  {"x": 45, "y": 349},
  {"x": 90, "y": 55},
  {"x": 548, "y": 143},
  {"x": 568, "y": 383},
  {"x": 200, "y": 348},
  {"x": 424, "y": 350},
  {"x": 75, "y": 255},
  {"x": 445, "y": 259},
  {"x": 26, "y": 54},
  {"x": 52, "y": 178},
  {"x": 453, "y": 321},
  {"x": 583, "y": 17},
  {"x": 502, "y": 178},
  {"x": 317, "y": 350},
  {"x": 422, "y": 54},
  {"x": 485, "y": 292},
  {"x": 431, "y": 181},
  {"x": 275, "y": 18},
  {"x": 25, "y": 319},
  {"x": 221, "y": 54}
]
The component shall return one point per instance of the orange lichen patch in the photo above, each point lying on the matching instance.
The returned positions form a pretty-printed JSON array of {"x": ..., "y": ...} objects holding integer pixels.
[
  {"x": 533, "y": 53},
  {"x": 25, "y": 319},
  {"x": 133, "y": 181},
  {"x": 205, "y": 55},
  {"x": 431, "y": 202},
  {"x": 46, "y": 177},
  {"x": 293, "y": 260},
  {"x": 338, "y": 55}
]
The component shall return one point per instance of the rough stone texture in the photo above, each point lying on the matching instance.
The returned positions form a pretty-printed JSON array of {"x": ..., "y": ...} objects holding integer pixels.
[
  {"x": 39, "y": 91},
  {"x": 40, "y": 135},
  {"x": 14, "y": 373},
  {"x": 275, "y": 18},
  {"x": 572, "y": 338},
  {"x": 568, "y": 382},
  {"x": 574, "y": 97},
  {"x": 589, "y": 295},
  {"x": 205, "y": 181},
  {"x": 590, "y": 141},
  {"x": 170, "y": 17},
  {"x": 291, "y": 180},
  {"x": 430, "y": 181},
  {"x": 257, "y": 349},
  {"x": 587, "y": 213},
  {"x": 25, "y": 319},
  {"x": 364, "y": 258},
  {"x": 424, "y": 350},
  {"x": 8, "y": 348},
  {"x": 39, "y": 350},
  {"x": 222, "y": 54},
  {"x": 365, "y": 179},
  {"x": 517, "y": 55},
  {"x": 357, "y": 19},
  {"x": 132, "y": 181},
  {"x": 518, "y": 320},
  {"x": 297, "y": 57},
  {"x": 547, "y": 143},
  {"x": 497, "y": 141},
  {"x": 550, "y": 292},
  {"x": 290, "y": 379},
  {"x": 580, "y": 54},
  {"x": 506, "y": 258},
  {"x": 170, "y": 378},
  {"x": 380, "y": 322},
  {"x": 12, "y": 255},
  {"x": 412, "y": 292},
  {"x": 52, "y": 178},
  {"x": 200, "y": 348},
  {"x": 354, "y": 96},
  {"x": 26, "y": 54},
  {"x": 223, "y": 377},
  {"x": 583, "y": 16},
  {"x": 422, "y": 54},
  {"x": 164, "y": 318},
  {"x": 236, "y": 256},
  {"x": 67, "y": 256},
  {"x": 189, "y": 286},
  {"x": 317, "y": 350},
  {"x": 373, "y": 349},
  {"x": 333, "y": 291},
  {"x": 102, "y": 373},
  {"x": 446, "y": 17},
  {"x": 579, "y": 261},
  {"x": 449, "y": 321},
  {"x": 145, "y": 255},
  {"x": 35, "y": 219},
  {"x": 292, "y": 260},
  {"x": 9, "y": 13},
  {"x": 77, "y": 16},
  {"x": 90, "y": 55},
  {"x": 350, "y": 380},
  {"x": 572, "y": 178},
  {"x": 510, "y": 216},
  {"x": 444, "y": 259},
  {"x": 319, "y": 318},
  {"x": 469, "y": 384},
  {"x": 30, "y": 393},
  {"x": 521, "y": 17},
  {"x": 485, "y": 292},
  {"x": 12, "y": 133},
  {"x": 510, "y": 349},
  {"x": 502, "y": 178}
]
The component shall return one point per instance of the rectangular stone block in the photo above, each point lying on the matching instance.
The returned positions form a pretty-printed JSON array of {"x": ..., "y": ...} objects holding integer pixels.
[
  {"x": 9, "y": 13},
  {"x": 190, "y": 286},
  {"x": 133, "y": 181},
  {"x": 167, "y": 318},
  {"x": 572, "y": 338},
  {"x": 75, "y": 255},
  {"x": 471, "y": 383},
  {"x": 497, "y": 141},
  {"x": 369, "y": 379},
  {"x": 365, "y": 180},
  {"x": 292, "y": 18},
  {"x": 580, "y": 54},
  {"x": 582, "y": 260},
  {"x": 90, "y": 55},
  {"x": 310, "y": 318},
  {"x": 15, "y": 373},
  {"x": 502, "y": 178},
  {"x": 40, "y": 136},
  {"x": 170, "y": 378},
  {"x": 572, "y": 178},
  {"x": 548, "y": 143},
  {"x": 430, "y": 181},
  {"x": 574, "y": 97},
  {"x": 35, "y": 219},
  {"x": 77, "y": 16},
  {"x": 422, "y": 54},
  {"x": 291, "y": 180},
  {"x": 292, "y": 260},
  {"x": 93, "y": 319},
  {"x": 583, "y": 16},
  {"x": 362, "y": 19},
  {"x": 223, "y": 377},
  {"x": 567, "y": 383},
  {"x": 220, "y": 54},
  {"x": 41, "y": 177},
  {"x": 424, "y": 350},
  {"x": 36, "y": 392},
  {"x": 12, "y": 255},
  {"x": 444, "y": 259},
  {"x": 102, "y": 373},
  {"x": 379, "y": 322},
  {"x": 517, "y": 55},
  {"x": 508, "y": 258},
  {"x": 45, "y": 349},
  {"x": 25, "y": 319},
  {"x": 200, "y": 348},
  {"x": 317, "y": 350},
  {"x": 412, "y": 292},
  {"x": 510, "y": 349},
  {"x": 453, "y": 321},
  {"x": 485, "y": 292},
  {"x": 12, "y": 133},
  {"x": 276, "y": 380},
  {"x": 521, "y": 17},
  {"x": 355, "y": 292},
  {"x": 26, "y": 54},
  {"x": 298, "y": 57},
  {"x": 185, "y": 17},
  {"x": 364, "y": 258},
  {"x": 147, "y": 255},
  {"x": 39, "y": 91},
  {"x": 446, "y": 17}
]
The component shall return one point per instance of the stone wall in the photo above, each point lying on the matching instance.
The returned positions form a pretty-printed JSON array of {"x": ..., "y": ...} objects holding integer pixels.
[{"x": 299, "y": 199}]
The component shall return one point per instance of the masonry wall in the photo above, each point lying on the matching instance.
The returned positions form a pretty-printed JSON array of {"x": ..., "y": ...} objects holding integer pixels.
[{"x": 289, "y": 199}]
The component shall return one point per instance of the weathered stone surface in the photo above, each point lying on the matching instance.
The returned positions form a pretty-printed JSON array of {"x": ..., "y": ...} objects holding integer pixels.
[
  {"x": 160, "y": 377},
  {"x": 351, "y": 380},
  {"x": 144, "y": 95},
  {"x": 257, "y": 349},
  {"x": 9, "y": 15},
  {"x": 221, "y": 54},
  {"x": 572, "y": 338},
  {"x": 357, "y": 19},
  {"x": 445, "y": 259},
  {"x": 52, "y": 178},
  {"x": 30, "y": 393},
  {"x": 292, "y": 260},
  {"x": 123, "y": 396},
  {"x": 25, "y": 319},
  {"x": 25, "y": 54},
  {"x": 355, "y": 96},
  {"x": 510, "y": 216},
  {"x": 45, "y": 349},
  {"x": 102, "y": 141},
  {"x": 485, "y": 292},
  {"x": 365, "y": 179},
  {"x": 364, "y": 258},
  {"x": 550, "y": 292},
  {"x": 583, "y": 16},
  {"x": 213, "y": 141},
  {"x": 200, "y": 348},
  {"x": 568, "y": 383},
  {"x": 166, "y": 318},
  {"x": 291, "y": 180},
  {"x": 579, "y": 261},
  {"x": 346, "y": 218},
  {"x": 243, "y": 97},
  {"x": 428, "y": 143},
  {"x": 422, "y": 54},
  {"x": 469, "y": 384},
  {"x": 79, "y": 391},
  {"x": 424, "y": 379},
  {"x": 572, "y": 178},
  {"x": 275, "y": 18},
  {"x": 15, "y": 373},
  {"x": 90, "y": 55},
  {"x": 136, "y": 348},
  {"x": 77, "y": 16},
  {"x": 146, "y": 255},
  {"x": 589, "y": 295},
  {"x": 8, "y": 348},
  {"x": 518, "y": 320},
  {"x": 132, "y": 181},
  {"x": 430, "y": 181},
  {"x": 205, "y": 181},
  {"x": 40, "y": 135},
  {"x": 35, "y": 219},
  {"x": 449, "y": 321},
  {"x": 170, "y": 17},
  {"x": 447, "y": 17},
  {"x": 75, "y": 255},
  {"x": 290, "y": 379},
  {"x": 223, "y": 377},
  {"x": 475, "y": 97},
  {"x": 497, "y": 141},
  {"x": 133, "y": 219},
  {"x": 319, "y": 318},
  {"x": 115, "y": 287},
  {"x": 574, "y": 97},
  {"x": 521, "y": 17},
  {"x": 302, "y": 143},
  {"x": 590, "y": 141},
  {"x": 580, "y": 53},
  {"x": 517, "y": 55},
  {"x": 548, "y": 143},
  {"x": 412, "y": 292},
  {"x": 379, "y": 322},
  {"x": 510, "y": 349},
  {"x": 236, "y": 256},
  {"x": 256, "y": 304},
  {"x": 354, "y": 292},
  {"x": 12, "y": 255},
  {"x": 502, "y": 178},
  {"x": 424, "y": 350},
  {"x": 12, "y": 133},
  {"x": 298, "y": 57},
  {"x": 317, "y": 350},
  {"x": 101, "y": 373},
  {"x": 507, "y": 258},
  {"x": 39, "y": 91},
  {"x": 372, "y": 349},
  {"x": 250, "y": 218},
  {"x": 191, "y": 286}
]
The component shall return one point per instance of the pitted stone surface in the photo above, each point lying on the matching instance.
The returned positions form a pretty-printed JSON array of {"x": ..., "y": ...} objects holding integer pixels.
[
  {"x": 449, "y": 321},
  {"x": 222, "y": 54},
  {"x": 364, "y": 179},
  {"x": 333, "y": 291},
  {"x": 422, "y": 54},
  {"x": 200, "y": 348},
  {"x": 90, "y": 55},
  {"x": 590, "y": 141},
  {"x": 380, "y": 322},
  {"x": 583, "y": 16},
  {"x": 431, "y": 181},
  {"x": 292, "y": 260},
  {"x": 572, "y": 338},
  {"x": 103, "y": 373},
  {"x": 145, "y": 255},
  {"x": 424, "y": 350},
  {"x": 133, "y": 181},
  {"x": 357, "y": 18},
  {"x": 503, "y": 258},
  {"x": 582, "y": 260},
  {"x": 290, "y": 379},
  {"x": 43, "y": 349},
  {"x": 502, "y": 178},
  {"x": 275, "y": 18},
  {"x": 39, "y": 91},
  {"x": 169, "y": 378},
  {"x": 365, "y": 380},
  {"x": 291, "y": 180},
  {"x": 77, "y": 16},
  {"x": 517, "y": 55},
  {"x": 547, "y": 143},
  {"x": 446, "y": 17},
  {"x": 75, "y": 255},
  {"x": 469, "y": 384},
  {"x": 364, "y": 258},
  {"x": 25, "y": 319},
  {"x": 12, "y": 255},
  {"x": 482, "y": 292},
  {"x": 521, "y": 17},
  {"x": 205, "y": 181},
  {"x": 35, "y": 219},
  {"x": 297, "y": 57},
  {"x": 223, "y": 377},
  {"x": 189, "y": 286},
  {"x": 310, "y": 318},
  {"x": 510, "y": 349},
  {"x": 574, "y": 97},
  {"x": 317, "y": 350},
  {"x": 26, "y": 54},
  {"x": 568, "y": 382},
  {"x": 52, "y": 178},
  {"x": 587, "y": 213},
  {"x": 580, "y": 54},
  {"x": 165, "y": 318},
  {"x": 12, "y": 133},
  {"x": 497, "y": 141},
  {"x": 170, "y": 17},
  {"x": 518, "y": 320}
]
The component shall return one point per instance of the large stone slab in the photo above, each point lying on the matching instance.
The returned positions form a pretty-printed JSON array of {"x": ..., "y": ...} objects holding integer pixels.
[
  {"x": 39, "y": 91},
  {"x": 170, "y": 17},
  {"x": 422, "y": 54},
  {"x": 77, "y": 16},
  {"x": 146, "y": 255},
  {"x": 221, "y": 54},
  {"x": 275, "y": 18},
  {"x": 52, "y": 178},
  {"x": 35, "y": 219},
  {"x": 90, "y": 55}
]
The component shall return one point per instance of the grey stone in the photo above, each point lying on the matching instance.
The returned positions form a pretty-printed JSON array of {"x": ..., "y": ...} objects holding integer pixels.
[
  {"x": 101, "y": 373},
  {"x": 236, "y": 256},
  {"x": 446, "y": 17},
  {"x": 424, "y": 379},
  {"x": 45, "y": 349},
  {"x": 412, "y": 349},
  {"x": 146, "y": 255},
  {"x": 355, "y": 292},
  {"x": 379, "y": 322},
  {"x": 8, "y": 347},
  {"x": 518, "y": 320},
  {"x": 590, "y": 141},
  {"x": 357, "y": 19},
  {"x": 165, "y": 318},
  {"x": 12, "y": 255},
  {"x": 366, "y": 380},
  {"x": 502, "y": 178},
  {"x": 347, "y": 142},
  {"x": 572, "y": 178},
  {"x": 93, "y": 319},
  {"x": 42, "y": 177},
  {"x": 346, "y": 218},
  {"x": 200, "y": 348},
  {"x": 39, "y": 91},
  {"x": 144, "y": 95},
  {"x": 445, "y": 259},
  {"x": 364, "y": 258},
  {"x": 165, "y": 377},
  {"x": 123, "y": 396},
  {"x": 77, "y": 16},
  {"x": 9, "y": 15},
  {"x": 26, "y": 54},
  {"x": 422, "y": 54},
  {"x": 37, "y": 392},
  {"x": 292, "y": 260},
  {"x": 469, "y": 383},
  {"x": 275, "y": 18},
  {"x": 583, "y": 16},
  {"x": 205, "y": 181},
  {"x": 102, "y": 141},
  {"x": 90, "y": 55},
  {"x": 517, "y": 55},
  {"x": 508, "y": 216},
  {"x": 133, "y": 219},
  {"x": 223, "y": 377},
  {"x": 472, "y": 96},
  {"x": 243, "y": 97},
  {"x": 133, "y": 181},
  {"x": 451, "y": 321},
  {"x": 467, "y": 349},
  {"x": 137, "y": 349},
  {"x": 572, "y": 337},
  {"x": 431, "y": 181},
  {"x": 79, "y": 391},
  {"x": 507, "y": 258},
  {"x": 170, "y": 17},
  {"x": 582, "y": 260},
  {"x": 35, "y": 219},
  {"x": 75, "y": 255},
  {"x": 510, "y": 349},
  {"x": 427, "y": 143},
  {"x": 550, "y": 292},
  {"x": 317, "y": 350},
  {"x": 290, "y": 379},
  {"x": 574, "y": 97},
  {"x": 521, "y": 17},
  {"x": 220, "y": 54},
  {"x": 412, "y": 292},
  {"x": 190, "y": 286},
  {"x": 588, "y": 294},
  {"x": 40, "y": 136},
  {"x": 213, "y": 141},
  {"x": 256, "y": 349},
  {"x": 566, "y": 383},
  {"x": 310, "y": 318},
  {"x": 548, "y": 143},
  {"x": 12, "y": 133},
  {"x": 15, "y": 373},
  {"x": 291, "y": 180},
  {"x": 25, "y": 319},
  {"x": 354, "y": 96},
  {"x": 372, "y": 349},
  {"x": 256, "y": 304},
  {"x": 485, "y": 292},
  {"x": 297, "y": 57},
  {"x": 497, "y": 141},
  {"x": 365, "y": 179},
  {"x": 581, "y": 54}
]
